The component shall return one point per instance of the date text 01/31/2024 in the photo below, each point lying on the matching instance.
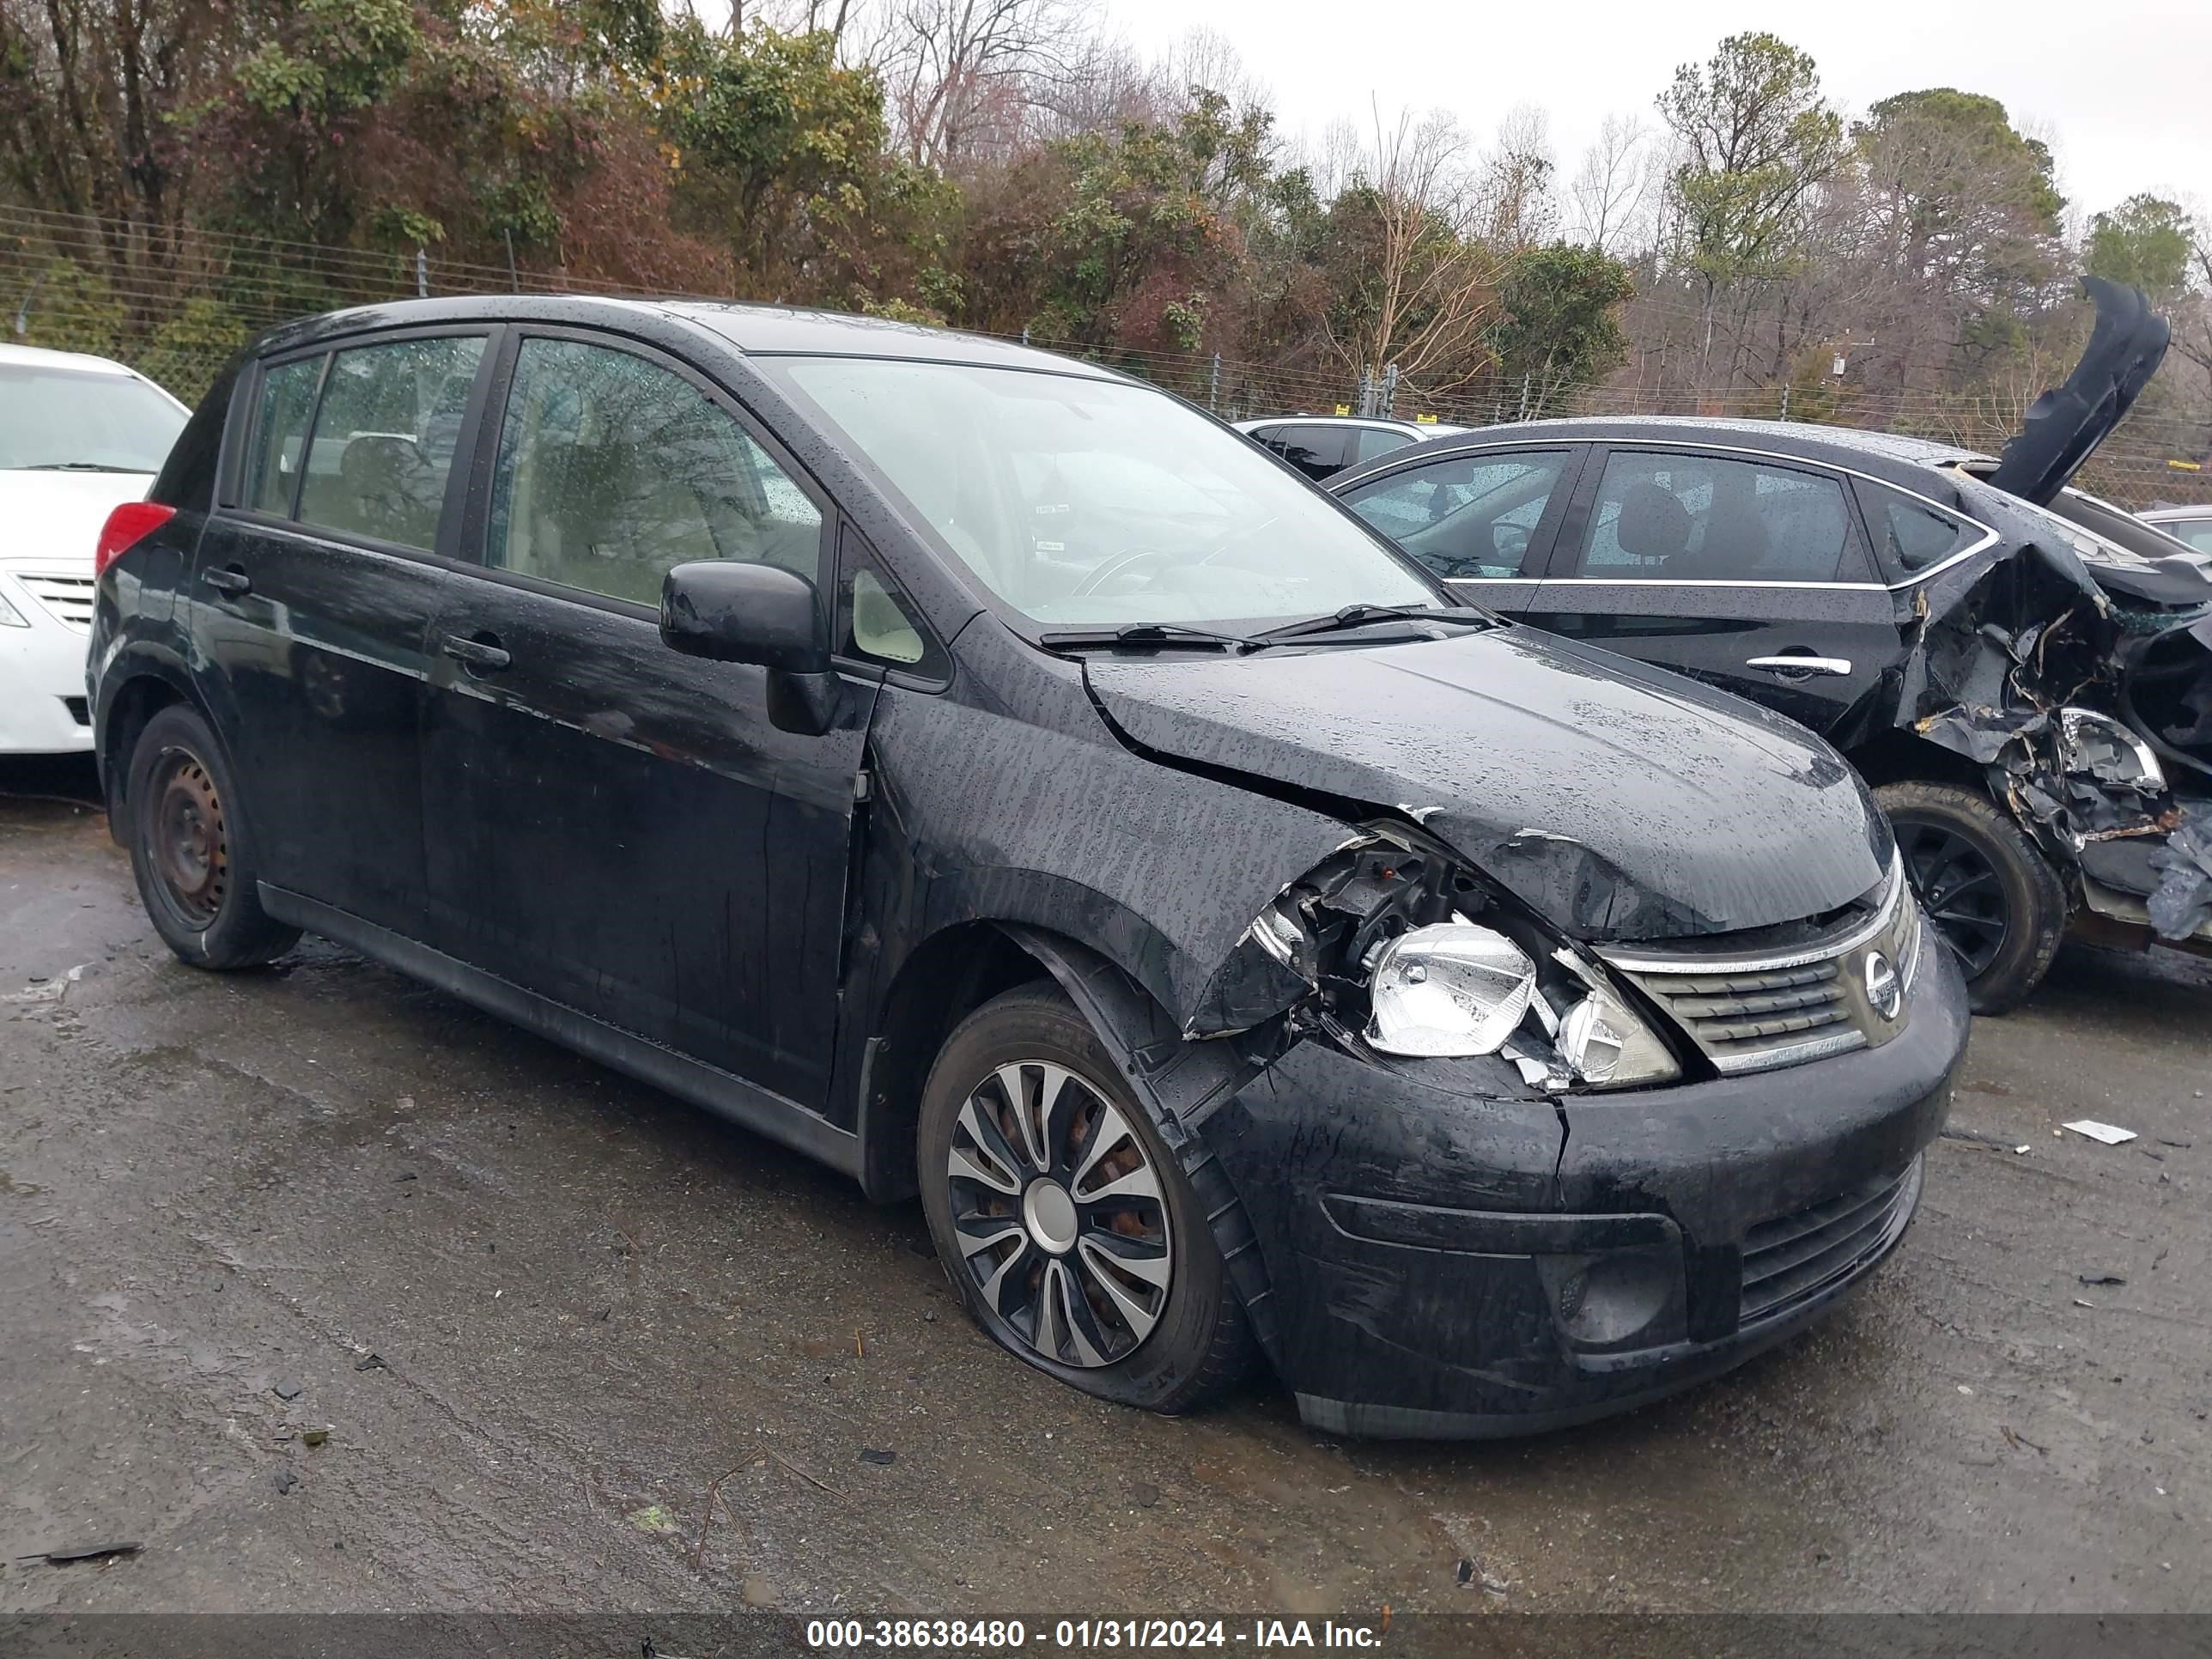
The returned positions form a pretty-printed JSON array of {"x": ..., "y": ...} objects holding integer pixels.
[{"x": 988, "y": 1634}]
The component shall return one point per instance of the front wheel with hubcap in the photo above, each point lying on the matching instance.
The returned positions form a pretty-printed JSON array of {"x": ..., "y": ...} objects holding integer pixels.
[
  {"x": 1065, "y": 1223},
  {"x": 1991, "y": 893},
  {"x": 189, "y": 852}
]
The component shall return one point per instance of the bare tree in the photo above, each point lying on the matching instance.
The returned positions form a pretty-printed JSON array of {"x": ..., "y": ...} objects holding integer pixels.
[
  {"x": 1610, "y": 196},
  {"x": 1516, "y": 203},
  {"x": 963, "y": 76},
  {"x": 1430, "y": 283}
]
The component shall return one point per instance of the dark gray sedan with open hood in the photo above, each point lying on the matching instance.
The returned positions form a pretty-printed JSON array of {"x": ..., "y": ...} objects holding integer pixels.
[
  {"x": 1009, "y": 786},
  {"x": 2023, "y": 671}
]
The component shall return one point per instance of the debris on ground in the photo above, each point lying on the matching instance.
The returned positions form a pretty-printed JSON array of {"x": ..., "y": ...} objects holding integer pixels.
[
  {"x": 880, "y": 1459},
  {"x": 372, "y": 1362},
  {"x": 285, "y": 1480},
  {"x": 1144, "y": 1494},
  {"x": 286, "y": 1387},
  {"x": 2020, "y": 1441},
  {"x": 1469, "y": 1573},
  {"x": 2100, "y": 1278},
  {"x": 756, "y": 1591},
  {"x": 314, "y": 1436},
  {"x": 2109, "y": 1134},
  {"x": 653, "y": 1518},
  {"x": 90, "y": 1553}
]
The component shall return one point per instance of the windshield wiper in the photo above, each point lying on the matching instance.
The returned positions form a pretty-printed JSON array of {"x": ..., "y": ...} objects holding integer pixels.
[
  {"x": 1173, "y": 634},
  {"x": 74, "y": 466},
  {"x": 1358, "y": 616}
]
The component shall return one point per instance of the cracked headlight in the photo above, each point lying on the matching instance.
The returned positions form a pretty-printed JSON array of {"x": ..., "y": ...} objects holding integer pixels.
[
  {"x": 1449, "y": 989},
  {"x": 2099, "y": 746},
  {"x": 1604, "y": 1043}
]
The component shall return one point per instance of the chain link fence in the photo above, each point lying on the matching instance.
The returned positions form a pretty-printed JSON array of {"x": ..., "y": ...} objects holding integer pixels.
[{"x": 176, "y": 305}]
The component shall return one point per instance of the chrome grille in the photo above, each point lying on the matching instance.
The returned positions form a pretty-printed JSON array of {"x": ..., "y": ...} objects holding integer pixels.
[
  {"x": 68, "y": 598},
  {"x": 1794, "y": 1257},
  {"x": 1751, "y": 1005}
]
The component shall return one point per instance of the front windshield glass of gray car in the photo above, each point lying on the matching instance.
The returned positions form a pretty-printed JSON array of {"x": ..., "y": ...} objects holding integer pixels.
[{"x": 1091, "y": 502}]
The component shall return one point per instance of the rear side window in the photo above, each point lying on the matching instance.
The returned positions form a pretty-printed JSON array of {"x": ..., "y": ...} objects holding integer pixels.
[
  {"x": 1910, "y": 536},
  {"x": 2197, "y": 532},
  {"x": 613, "y": 470},
  {"x": 383, "y": 438},
  {"x": 280, "y": 433},
  {"x": 1661, "y": 517}
]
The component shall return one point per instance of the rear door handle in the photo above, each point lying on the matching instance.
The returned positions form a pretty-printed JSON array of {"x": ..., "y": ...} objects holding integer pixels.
[
  {"x": 1804, "y": 667},
  {"x": 482, "y": 652},
  {"x": 228, "y": 580}
]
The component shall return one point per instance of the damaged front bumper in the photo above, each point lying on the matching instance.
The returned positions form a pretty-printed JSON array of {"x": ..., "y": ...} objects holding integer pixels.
[{"x": 1446, "y": 1264}]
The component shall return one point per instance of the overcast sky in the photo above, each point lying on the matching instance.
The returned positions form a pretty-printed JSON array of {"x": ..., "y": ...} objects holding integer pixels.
[{"x": 2121, "y": 89}]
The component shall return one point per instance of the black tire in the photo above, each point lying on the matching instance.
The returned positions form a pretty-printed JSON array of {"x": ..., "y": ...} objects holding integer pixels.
[
  {"x": 1199, "y": 1345},
  {"x": 189, "y": 850},
  {"x": 1989, "y": 889}
]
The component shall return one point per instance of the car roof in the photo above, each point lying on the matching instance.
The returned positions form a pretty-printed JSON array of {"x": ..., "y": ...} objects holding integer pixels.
[
  {"x": 1887, "y": 455},
  {"x": 753, "y": 329},
  {"x": 2167, "y": 514},
  {"x": 1389, "y": 420},
  {"x": 80, "y": 363}
]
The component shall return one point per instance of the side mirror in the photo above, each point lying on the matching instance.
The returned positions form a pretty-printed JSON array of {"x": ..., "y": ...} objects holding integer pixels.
[{"x": 730, "y": 611}]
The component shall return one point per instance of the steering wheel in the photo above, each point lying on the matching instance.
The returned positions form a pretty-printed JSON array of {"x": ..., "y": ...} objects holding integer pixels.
[{"x": 1127, "y": 560}]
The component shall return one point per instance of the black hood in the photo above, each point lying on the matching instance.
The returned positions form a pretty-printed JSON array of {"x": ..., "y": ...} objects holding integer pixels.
[
  {"x": 1617, "y": 801},
  {"x": 2065, "y": 425}
]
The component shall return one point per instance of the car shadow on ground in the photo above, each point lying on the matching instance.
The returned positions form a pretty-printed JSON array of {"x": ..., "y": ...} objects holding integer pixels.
[{"x": 71, "y": 780}]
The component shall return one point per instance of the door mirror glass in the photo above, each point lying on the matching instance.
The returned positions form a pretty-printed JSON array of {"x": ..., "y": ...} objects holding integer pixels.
[{"x": 728, "y": 610}]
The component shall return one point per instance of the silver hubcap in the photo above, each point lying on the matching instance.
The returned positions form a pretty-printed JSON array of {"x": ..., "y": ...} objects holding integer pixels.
[{"x": 1061, "y": 1221}]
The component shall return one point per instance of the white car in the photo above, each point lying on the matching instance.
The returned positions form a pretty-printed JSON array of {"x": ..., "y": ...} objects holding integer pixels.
[
  {"x": 2192, "y": 525},
  {"x": 79, "y": 436},
  {"x": 1321, "y": 446}
]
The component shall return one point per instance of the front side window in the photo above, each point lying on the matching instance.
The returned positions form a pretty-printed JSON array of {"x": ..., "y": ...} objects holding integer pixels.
[
  {"x": 613, "y": 469},
  {"x": 1378, "y": 440},
  {"x": 1468, "y": 516},
  {"x": 1661, "y": 517},
  {"x": 382, "y": 443},
  {"x": 2197, "y": 532},
  {"x": 1319, "y": 452},
  {"x": 67, "y": 420},
  {"x": 1076, "y": 499}
]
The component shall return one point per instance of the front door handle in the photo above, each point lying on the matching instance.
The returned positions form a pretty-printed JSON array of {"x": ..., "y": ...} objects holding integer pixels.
[
  {"x": 228, "y": 580},
  {"x": 1793, "y": 667},
  {"x": 482, "y": 652}
]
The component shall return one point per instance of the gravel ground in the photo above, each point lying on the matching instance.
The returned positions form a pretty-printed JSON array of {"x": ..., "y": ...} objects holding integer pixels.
[{"x": 626, "y": 1356}]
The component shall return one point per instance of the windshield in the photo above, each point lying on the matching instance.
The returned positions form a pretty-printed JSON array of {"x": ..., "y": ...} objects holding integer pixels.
[
  {"x": 65, "y": 419},
  {"x": 1097, "y": 501}
]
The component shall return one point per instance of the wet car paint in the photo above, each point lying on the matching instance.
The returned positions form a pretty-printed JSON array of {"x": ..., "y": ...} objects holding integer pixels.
[{"x": 629, "y": 851}]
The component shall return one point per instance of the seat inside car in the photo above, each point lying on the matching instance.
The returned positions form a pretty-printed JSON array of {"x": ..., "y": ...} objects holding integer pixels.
[{"x": 1654, "y": 526}]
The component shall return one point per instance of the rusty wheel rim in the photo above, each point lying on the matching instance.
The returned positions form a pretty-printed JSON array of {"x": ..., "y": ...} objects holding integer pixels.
[{"x": 190, "y": 852}]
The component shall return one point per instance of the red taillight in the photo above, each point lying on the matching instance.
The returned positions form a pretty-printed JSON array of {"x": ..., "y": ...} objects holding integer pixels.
[{"x": 128, "y": 526}]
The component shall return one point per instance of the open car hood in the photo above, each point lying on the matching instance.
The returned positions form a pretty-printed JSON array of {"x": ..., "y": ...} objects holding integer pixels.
[
  {"x": 2067, "y": 422},
  {"x": 1615, "y": 800}
]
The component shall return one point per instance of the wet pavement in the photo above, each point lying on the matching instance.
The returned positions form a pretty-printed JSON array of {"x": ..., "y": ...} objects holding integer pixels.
[{"x": 627, "y": 1357}]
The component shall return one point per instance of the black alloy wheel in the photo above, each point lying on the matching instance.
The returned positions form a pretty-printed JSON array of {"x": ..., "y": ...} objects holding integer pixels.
[
  {"x": 1993, "y": 896},
  {"x": 1959, "y": 889}
]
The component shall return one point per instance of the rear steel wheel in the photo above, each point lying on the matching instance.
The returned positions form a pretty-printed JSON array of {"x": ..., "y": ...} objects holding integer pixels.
[
  {"x": 189, "y": 850},
  {"x": 1062, "y": 1224},
  {"x": 185, "y": 836}
]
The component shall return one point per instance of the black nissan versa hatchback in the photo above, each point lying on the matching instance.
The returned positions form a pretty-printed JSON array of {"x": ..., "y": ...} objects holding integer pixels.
[
  {"x": 1004, "y": 783},
  {"x": 2024, "y": 672}
]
